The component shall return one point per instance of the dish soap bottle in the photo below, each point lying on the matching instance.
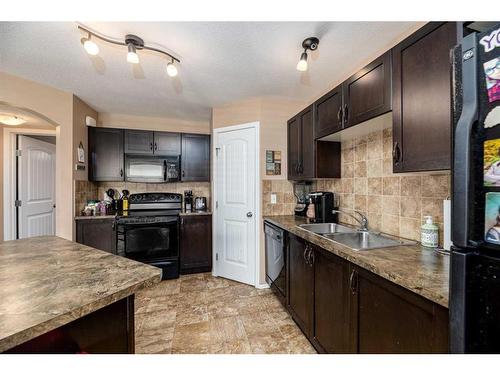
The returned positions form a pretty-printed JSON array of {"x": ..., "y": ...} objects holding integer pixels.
[{"x": 429, "y": 233}]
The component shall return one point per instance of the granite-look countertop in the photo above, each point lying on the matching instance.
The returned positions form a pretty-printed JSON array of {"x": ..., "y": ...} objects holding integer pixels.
[
  {"x": 47, "y": 282},
  {"x": 196, "y": 213},
  {"x": 97, "y": 217},
  {"x": 421, "y": 270}
]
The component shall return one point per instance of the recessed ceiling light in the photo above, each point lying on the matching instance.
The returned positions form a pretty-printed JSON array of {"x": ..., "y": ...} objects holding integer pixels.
[{"x": 11, "y": 120}]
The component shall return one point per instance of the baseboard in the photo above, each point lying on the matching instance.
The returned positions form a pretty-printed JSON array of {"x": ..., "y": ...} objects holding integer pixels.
[{"x": 262, "y": 286}]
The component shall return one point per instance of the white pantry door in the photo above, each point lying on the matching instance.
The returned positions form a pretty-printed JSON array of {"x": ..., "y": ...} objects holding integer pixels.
[
  {"x": 36, "y": 187},
  {"x": 235, "y": 213}
]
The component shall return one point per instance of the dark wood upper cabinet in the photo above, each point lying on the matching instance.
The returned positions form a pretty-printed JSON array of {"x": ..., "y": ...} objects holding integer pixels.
[
  {"x": 328, "y": 112},
  {"x": 300, "y": 284},
  {"x": 331, "y": 303},
  {"x": 195, "y": 159},
  {"x": 422, "y": 99},
  {"x": 166, "y": 143},
  {"x": 308, "y": 158},
  {"x": 307, "y": 143},
  {"x": 98, "y": 233},
  {"x": 106, "y": 154},
  {"x": 367, "y": 94},
  {"x": 139, "y": 142},
  {"x": 146, "y": 142},
  {"x": 294, "y": 148},
  {"x": 387, "y": 318},
  {"x": 196, "y": 244}
]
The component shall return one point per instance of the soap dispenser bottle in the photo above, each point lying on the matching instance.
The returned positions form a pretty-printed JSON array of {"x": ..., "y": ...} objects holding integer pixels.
[{"x": 429, "y": 233}]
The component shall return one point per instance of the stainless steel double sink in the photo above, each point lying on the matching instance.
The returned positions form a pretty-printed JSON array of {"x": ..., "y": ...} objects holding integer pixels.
[{"x": 354, "y": 239}]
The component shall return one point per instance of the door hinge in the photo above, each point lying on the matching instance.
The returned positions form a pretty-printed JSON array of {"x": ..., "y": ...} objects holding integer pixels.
[
  {"x": 19, "y": 152},
  {"x": 18, "y": 203},
  {"x": 216, "y": 204},
  {"x": 216, "y": 256},
  {"x": 217, "y": 149}
]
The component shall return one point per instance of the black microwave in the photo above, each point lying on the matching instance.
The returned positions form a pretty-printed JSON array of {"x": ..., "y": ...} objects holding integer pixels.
[{"x": 152, "y": 168}]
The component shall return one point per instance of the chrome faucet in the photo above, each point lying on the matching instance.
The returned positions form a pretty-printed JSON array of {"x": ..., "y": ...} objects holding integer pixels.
[{"x": 363, "y": 222}]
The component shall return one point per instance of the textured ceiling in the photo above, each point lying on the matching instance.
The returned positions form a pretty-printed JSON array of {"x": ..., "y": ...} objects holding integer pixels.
[{"x": 221, "y": 62}]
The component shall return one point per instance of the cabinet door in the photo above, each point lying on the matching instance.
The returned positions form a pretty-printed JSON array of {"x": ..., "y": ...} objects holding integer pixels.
[
  {"x": 97, "y": 233},
  {"x": 300, "y": 284},
  {"x": 306, "y": 169},
  {"x": 166, "y": 143},
  {"x": 293, "y": 148},
  {"x": 421, "y": 99},
  {"x": 328, "y": 113},
  {"x": 391, "y": 319},
  {"x": 367, "y": 94},
  {"x": 331, "y": 303},
  {"x": 195, "y": 158},
  {"x": 106, "y": 154},
  {"x": 139, "y": 142},
  {"x": 196, "y": 243}
]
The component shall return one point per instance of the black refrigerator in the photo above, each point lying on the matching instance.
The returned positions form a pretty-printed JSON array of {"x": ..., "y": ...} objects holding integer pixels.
[{"x": 475, "y": 255}]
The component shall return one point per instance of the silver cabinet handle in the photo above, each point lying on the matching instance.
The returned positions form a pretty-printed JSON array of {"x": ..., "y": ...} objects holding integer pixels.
[{"x": 249, "y": 214}]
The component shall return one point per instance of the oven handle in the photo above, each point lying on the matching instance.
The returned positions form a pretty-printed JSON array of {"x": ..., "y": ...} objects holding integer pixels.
[
  {"x": 164, "y": 170},
  {"x": 174, "y": 220}
]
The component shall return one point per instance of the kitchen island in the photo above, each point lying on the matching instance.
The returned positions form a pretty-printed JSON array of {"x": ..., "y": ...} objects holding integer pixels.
[{"x": 61, "y": 296}]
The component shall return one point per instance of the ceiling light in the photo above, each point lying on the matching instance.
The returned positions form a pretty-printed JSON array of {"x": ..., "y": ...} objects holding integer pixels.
[
  {"x": 302, "y": 64},
  {"x": 132, "y": 42},
  {"x": 90, "y": 46},
  {"x": 171, "y": 69},
  {"x": 308, "y": 44},
  {"x": 11, "y": 120},
  {"x": 132, "y": 56}
]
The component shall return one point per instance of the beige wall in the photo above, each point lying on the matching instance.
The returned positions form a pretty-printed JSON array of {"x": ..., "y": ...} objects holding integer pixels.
[
  {"x": 80, "y": 134},
  {"x": 1, "y": 185},
  {"x": 113, "y": 120},
  {"x": 272, "y": 114},
  {"x": 56, "y": 105}
]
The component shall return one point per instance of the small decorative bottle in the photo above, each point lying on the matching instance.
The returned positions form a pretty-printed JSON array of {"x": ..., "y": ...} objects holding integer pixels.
[
  {"x": 429, "y": 233},
  {"x": 311, "y": 214}
]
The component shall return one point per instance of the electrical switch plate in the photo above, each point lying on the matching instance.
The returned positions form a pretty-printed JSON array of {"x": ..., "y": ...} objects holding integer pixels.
[{"x": 273, "y": 198}]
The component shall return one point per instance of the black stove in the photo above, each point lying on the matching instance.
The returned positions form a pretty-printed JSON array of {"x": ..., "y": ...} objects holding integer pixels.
[{"x": 149, "y": 231}]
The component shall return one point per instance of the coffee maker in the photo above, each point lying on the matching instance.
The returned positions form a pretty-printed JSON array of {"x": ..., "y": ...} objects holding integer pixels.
[
  {"x": 324, "y": 203},
  {"x": 301, "y": 191}
]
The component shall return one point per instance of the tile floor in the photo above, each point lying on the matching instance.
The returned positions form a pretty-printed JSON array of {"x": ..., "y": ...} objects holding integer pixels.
[{"x": 204, "y": 314}]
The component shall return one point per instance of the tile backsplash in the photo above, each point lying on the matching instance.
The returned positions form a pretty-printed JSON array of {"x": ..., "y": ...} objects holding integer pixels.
[
  {"x": 395, "y": 203},
  {"x": 95, "y": 190}
]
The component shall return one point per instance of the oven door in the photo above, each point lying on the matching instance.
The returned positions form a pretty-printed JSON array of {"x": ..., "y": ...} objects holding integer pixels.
[
  {"x": 151, "y": 169},
  {"x": 151, "y": 241}
]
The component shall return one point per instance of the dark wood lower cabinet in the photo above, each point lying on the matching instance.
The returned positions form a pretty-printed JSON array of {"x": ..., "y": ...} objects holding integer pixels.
[
  {"x": 390, "y": 319},
  {"x": 331, "y": 303},
  {"x": 196, "y": 244},
  {"x": 300, "y": 284},
  {"x": 98, "y": 233},
  {"x": 343, "y": 308},
  {"x": 109, "y": 330}
]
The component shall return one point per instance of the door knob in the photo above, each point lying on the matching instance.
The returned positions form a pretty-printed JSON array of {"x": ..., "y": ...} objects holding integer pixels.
[{"x": 249, "y": 214}]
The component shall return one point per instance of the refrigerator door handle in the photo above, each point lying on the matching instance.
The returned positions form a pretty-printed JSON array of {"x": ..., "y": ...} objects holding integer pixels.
[{"x": 462, "y": 146}]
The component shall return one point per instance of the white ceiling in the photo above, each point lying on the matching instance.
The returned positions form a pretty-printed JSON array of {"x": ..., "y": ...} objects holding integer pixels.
[{"x": 221, "y": 62}]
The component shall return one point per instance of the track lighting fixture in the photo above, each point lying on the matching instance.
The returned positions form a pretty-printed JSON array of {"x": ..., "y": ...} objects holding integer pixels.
[
  {"x": 90, "y": 46},
  {"x": 132, "y": 56},
  {"x": 171, "y": 69},
  {"x": 308, "y": 44},
  {"x": 133, "y": 44}
]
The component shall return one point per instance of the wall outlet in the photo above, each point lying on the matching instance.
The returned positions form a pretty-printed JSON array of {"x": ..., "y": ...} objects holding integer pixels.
[{"x": 273, "y": 198}]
